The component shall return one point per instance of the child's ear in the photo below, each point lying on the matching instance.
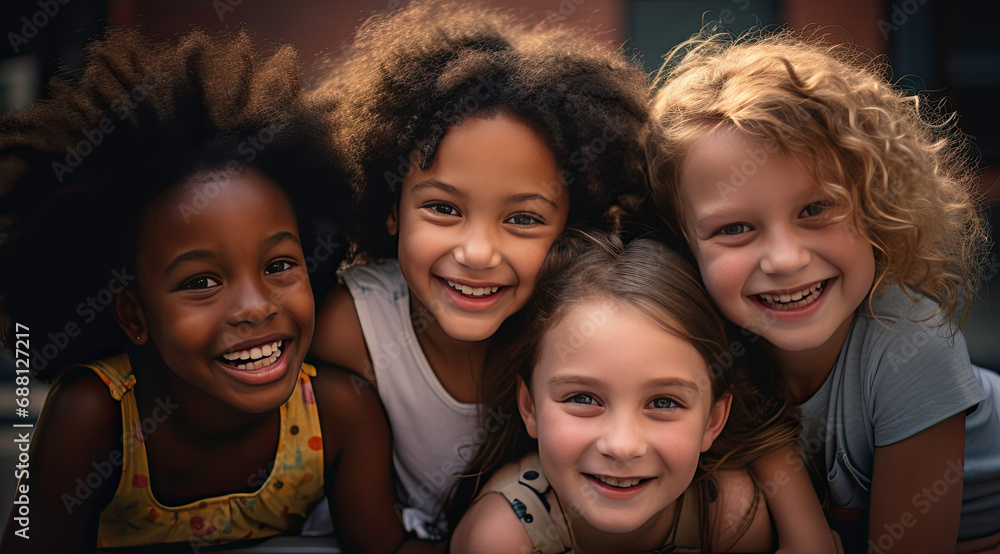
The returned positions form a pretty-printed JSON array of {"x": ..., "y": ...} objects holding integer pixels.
[
  {"x": 527, "y": 408},
  {"x": 716, "y": 420},
  {"x": 130, "y": 318},
  {"x": 392, "y": 222}
]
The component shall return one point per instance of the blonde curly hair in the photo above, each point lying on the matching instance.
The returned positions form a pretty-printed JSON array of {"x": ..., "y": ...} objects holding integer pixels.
[{"x": 902, "y": 169}]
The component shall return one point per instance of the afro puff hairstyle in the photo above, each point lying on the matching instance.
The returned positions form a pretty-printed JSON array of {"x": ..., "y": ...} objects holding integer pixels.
[
  {"x": 78, "y": 170},
  {"x": 412, "y": 74}
]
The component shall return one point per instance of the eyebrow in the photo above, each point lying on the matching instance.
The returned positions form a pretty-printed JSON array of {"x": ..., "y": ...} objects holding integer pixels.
[
  {"x": 529, "y": 196},
  {"x": 435, "y": 184},
  {"x": 517, "y": 198},
  {"x": 710, "y": 215},
  {"x": 201, "y": 254},
  {"x": 591, "y": 382}
]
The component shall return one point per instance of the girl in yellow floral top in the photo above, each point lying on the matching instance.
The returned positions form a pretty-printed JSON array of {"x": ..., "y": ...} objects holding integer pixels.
[{"x": 196, "y": 186}]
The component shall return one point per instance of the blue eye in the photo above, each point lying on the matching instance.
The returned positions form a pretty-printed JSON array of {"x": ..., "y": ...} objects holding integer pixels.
[
  {"x": 200, "y": 282},
  {"x": 733, "y": 229},
  {"x": 813, "y": 210},
  {"x": 663, "y": 404},
  {"x": 582, "y": 399}
]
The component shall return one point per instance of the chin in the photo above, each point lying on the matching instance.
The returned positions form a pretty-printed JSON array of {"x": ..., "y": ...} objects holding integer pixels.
[
  {"x": 615, "y": 525},
  {"x": 470, "y": 331}
]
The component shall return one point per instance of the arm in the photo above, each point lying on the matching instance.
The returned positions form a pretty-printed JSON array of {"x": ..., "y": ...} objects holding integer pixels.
[
  {"x": 916, "y": 494},
  {"x": 78, "y": 435},
  {"x": 357, "y": 451},
  {"x": 490, "y": 526},
  {"x": 339, "y": 339},
  {"x": 738, "y": 528},
  {"x": 792, "y": 502}
]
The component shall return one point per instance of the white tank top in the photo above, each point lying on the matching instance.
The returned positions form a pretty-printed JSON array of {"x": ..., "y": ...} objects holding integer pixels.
[{"x": 434, "y": 436}]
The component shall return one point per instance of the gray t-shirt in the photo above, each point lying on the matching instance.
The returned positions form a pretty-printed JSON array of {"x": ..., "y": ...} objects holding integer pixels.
[{"x": 892, "y": 380}]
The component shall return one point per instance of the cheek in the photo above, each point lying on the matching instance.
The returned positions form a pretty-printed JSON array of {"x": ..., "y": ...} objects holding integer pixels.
[
  {"x": 680, "y": 447},
  {"x": 527, "y": 262},
  {"x": 722, "y": 273},
  {"x": 560, "y": 436},
  {"x": 302, "y": 305},
  {"x": 176, "y": 327}
]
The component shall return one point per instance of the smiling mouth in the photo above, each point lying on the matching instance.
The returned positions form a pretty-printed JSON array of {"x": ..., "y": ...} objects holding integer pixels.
[
  {"x": 618, "y": 483},
  {"x": 257, "y": 357},
  {"x": 475, "y": 292},
  {"x": 795, "y": 300}
]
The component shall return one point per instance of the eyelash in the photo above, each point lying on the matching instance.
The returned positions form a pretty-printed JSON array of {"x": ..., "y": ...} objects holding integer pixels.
[
  {"x": 573, "y": 399},
  {"x": 823, "y": 206},
  {"x": 722, "y": 230},
  {"x": 674, "y": 404},
  {"x": 535, "y": 220},
  {"x": 437, "y": 208},
  {"x": 190, "y": 283},
  {"x": 290, "y": 264}
]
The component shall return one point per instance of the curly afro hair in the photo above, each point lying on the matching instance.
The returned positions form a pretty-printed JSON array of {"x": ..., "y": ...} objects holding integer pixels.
[
  {"x": 78, "y": 170},
  {"x": 412, "y": 74}
]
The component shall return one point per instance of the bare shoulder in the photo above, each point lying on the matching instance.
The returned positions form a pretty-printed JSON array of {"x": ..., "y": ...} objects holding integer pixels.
[
  {"x": 338, "y": 338},
  {"x": 75, "y": 464},
  {"x": 743, "y": 521},
  {"x": 80, "y": 413},
  {"x": 490, "y": 526},
  {"x": 346, "y": 402}
]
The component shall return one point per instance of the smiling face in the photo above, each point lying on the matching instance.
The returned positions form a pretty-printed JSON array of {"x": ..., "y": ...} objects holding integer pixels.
[
  {"x": 770, "y": 251},
  {"x": 621, "y": 409},
  {"x": 223, "y": 290},
  {"x": 475, "y": 227}
]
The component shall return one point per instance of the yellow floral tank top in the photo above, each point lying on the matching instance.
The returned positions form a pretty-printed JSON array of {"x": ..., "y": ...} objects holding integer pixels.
[{"x": 295, "y": 485}]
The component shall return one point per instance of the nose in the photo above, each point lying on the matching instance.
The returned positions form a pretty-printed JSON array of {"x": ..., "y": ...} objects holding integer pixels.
[
  {"x": 784, "y": 253},
  {"x": 253, "y": 302},
  {"x": 478, "y": 248},
  {"x": 623, "y": 439}
]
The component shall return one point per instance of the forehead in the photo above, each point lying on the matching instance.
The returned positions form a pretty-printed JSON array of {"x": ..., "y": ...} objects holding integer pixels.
[
  {"x": 618, "y": 342},
  {"x": 499, "y": 155},
  {"x": 723, "y": 165},
  {"x": 216, "y": 205}
]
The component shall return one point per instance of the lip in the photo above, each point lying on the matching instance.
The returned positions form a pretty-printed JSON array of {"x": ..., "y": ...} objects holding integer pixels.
[
  {"x": 257, "y": 341},
  {"x": 472, "y": 303},
  {"x": 797, "y": 312},
  {"x": 264, "y": 375},
  {"x": 618, "y": 493}
]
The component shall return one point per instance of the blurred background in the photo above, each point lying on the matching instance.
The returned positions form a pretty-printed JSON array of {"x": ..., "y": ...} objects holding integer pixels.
[{"x": 947, "y": 49}]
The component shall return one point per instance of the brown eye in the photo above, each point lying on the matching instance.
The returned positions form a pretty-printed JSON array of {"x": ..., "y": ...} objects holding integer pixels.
[
  {"x": 443, "y": 209},
  {"x": 278, "y": 266},
  {"x": 200, "y": 282}
]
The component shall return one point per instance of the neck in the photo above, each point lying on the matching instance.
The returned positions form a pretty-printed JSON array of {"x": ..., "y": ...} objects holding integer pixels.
[
  {"x": 457, "y": 364},
  {"x": 650, "y": 536},
  {"x": 805, "y": 371},
  {"x": 174, "y": 403}
]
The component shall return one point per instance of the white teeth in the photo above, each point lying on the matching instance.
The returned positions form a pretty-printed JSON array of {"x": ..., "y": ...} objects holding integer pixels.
[
  {"x": 257, "y": 357},
  {"x": 472, "y": 291},
  {"x": 619, "y": 483},
  {"x": 795, "y": 300}
]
